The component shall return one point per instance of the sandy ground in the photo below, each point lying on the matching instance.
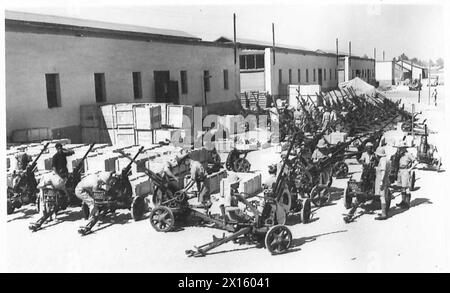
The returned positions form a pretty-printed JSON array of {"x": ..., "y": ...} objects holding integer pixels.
[{"x": 416, "y": 240}]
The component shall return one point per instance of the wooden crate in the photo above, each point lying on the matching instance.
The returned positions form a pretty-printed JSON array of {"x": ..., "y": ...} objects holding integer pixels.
[
  {"x": 147, "y": 117},
  {"x": 180, "y": 116},
  {"x": 125, "y": 137},
  {"x": 144, "y": 137}
]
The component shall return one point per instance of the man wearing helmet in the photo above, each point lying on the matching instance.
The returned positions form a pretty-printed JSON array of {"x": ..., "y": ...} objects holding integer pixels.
[
  {"x": 169, "y": 168},
  {"x": 368, "y": 157}
]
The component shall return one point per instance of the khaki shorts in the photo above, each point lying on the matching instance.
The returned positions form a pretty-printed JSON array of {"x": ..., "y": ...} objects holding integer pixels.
[{"x": 404, "y": 178}]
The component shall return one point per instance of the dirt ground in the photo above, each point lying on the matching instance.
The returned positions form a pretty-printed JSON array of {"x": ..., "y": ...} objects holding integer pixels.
[{"x": 416, "y": 240}]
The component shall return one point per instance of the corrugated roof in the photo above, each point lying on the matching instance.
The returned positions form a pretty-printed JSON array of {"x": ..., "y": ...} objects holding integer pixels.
[{"x": 85, "y": 23}]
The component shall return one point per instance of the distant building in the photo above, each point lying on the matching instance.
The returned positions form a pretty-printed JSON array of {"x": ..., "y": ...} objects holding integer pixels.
[
  {"x": 55, "y": 64},
  {"x": 263, "y": 68},
  {"x": 392, "y": 72}
]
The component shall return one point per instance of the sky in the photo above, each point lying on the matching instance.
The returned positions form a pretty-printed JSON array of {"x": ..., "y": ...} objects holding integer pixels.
[{"x": 416, "y": 29}]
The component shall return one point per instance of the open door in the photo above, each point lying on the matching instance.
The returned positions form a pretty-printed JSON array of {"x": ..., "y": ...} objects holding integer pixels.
[
  {"x": 162, "y": 79},
  {"x": 320, "y": 76},
  {"x": 174, "y": 96}
]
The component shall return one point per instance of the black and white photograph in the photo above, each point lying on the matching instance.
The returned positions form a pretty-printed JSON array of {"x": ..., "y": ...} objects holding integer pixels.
[{"x": 225, "y": 137}]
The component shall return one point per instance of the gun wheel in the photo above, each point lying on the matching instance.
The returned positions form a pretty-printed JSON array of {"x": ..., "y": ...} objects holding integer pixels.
[
  {"x": 242, "y": 165},
  {"x": 347, "y": 199},
  {"x": 138, "y": 208},
  {"x": 320, "y": 195},
  {"x": 162, "y": 219},
  {"x": 340, "y": 170},
  {"x": 9, "y": 207},
  {"x": 278, "y": 239},
  {"x": 306, "y": 211},
  {"x": 413, "y": 181},
  {"x": 85, "y": 211},
  {"x": 160, "y": 196}
]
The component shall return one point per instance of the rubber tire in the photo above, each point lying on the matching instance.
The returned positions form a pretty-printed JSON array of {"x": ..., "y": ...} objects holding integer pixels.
[
  {"x": 268, "y": 239},
  {"x": 319, "y": 202},
  {"x": 347, "y": 199},
  {"x": 138, "y": 208},
  {"x": 9, "y": 207},
  {"x": 344, "y": 165},
  {"x": 306, "y": 211}
]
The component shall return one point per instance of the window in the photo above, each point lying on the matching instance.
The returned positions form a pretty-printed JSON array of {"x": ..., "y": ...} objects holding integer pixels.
[
  {"x": 314, "y": 74},
  {"x": 242, "y": 61},
  {"x": 290, "y": 76},
  {"x": 53, "y": 90},
  {"x": 260, "y": 61},
  {"x": 324, "y": 74},
  {"x": 225, "y": 79},
  {"x": 335, "y": 74},
  {"x": 250, "y": 61},
  {"x": 137, "y": 85},
  {"x": 100, "y": 93},
  {"x": 307, "y": 75},
  {"x": 330, "y": 74},
  {"x": 280, "y": 76},
  {"x": 206, "y": 78},
  {"x": 299, "y": 79},
  {"x": 184, "y": 86}
]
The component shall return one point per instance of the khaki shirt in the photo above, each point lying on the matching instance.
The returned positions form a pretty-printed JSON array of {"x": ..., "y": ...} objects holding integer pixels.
[
  {"x": 406, "y": 161},
  {"x": 366, "y": 158}
]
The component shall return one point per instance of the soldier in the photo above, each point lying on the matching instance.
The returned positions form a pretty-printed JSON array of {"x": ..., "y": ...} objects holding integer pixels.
[
  {"x": 59, "y": 161},
  {"x": 368, "y": 156},
  {"x": 382, "y": 181},
  {"x": 269, "y": 183},
  {"x": 21, "y": 164},
  {"x": 406, "y": 162},
  {"x": 319, "y": 155},
  {"x": 168, "y": 169},
  {"x": 198, "y": 175},
  {"x": 89, "y": 184}
]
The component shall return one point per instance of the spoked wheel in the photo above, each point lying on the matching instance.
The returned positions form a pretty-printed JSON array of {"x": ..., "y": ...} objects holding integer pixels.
[
  {"x": 347, "y": 199},
  {"x": 340, "y": 170},
  {"x": 162, "y": 219},
  {"x": 242, "y": 165},
  {"x": 138, "y": 208},
  {"x": 320, "y": 195},
  {"x": 306, "y": 211},
  {"x": 278, "y": 239},
  {"x": 413, "y": 181},
  {"x": 9, "y": 207}
]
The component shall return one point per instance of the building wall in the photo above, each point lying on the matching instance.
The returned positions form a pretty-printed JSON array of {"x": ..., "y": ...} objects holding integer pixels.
[
  {"x": 29, "y": 56},
  {"x": 362, "y": 65},
  {"x": 252, "y": 81},
  {"x": 295, "y": 61},
  {"x": 384, "y": 72}
]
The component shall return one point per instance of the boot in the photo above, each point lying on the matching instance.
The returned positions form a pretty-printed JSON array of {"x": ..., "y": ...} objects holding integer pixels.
[
  {"x": 403, "y": 202},
  {"x": 408, "y": 200},
  {"x": 383, "y": 215}
]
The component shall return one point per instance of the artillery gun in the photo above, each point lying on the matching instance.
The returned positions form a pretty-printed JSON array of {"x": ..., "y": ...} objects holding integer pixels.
[
  {"x": 265, "y": 228},
  {"x": 426, "y": 153},
  {"x": 118, "y": 196},
  {"x": 25, "y": 188},
  {"x": 237, "y": 160},
  {"x": 55, "y": 200}
]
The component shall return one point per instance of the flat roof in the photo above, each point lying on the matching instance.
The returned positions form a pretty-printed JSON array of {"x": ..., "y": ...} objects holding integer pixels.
[{"x": 255, "y": 44}]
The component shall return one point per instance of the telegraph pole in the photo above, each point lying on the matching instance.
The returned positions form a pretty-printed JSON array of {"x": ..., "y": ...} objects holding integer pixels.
[
  {"x": 429, "y": 82},
  {"x": 234, "y": 37},
  {"x": 273, "y": 42}
]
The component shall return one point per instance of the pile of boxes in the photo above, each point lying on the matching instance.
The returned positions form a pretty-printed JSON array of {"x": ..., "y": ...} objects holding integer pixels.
[
  {"x": 249, "y": 183},
  {"x": 127, "y": 124}
]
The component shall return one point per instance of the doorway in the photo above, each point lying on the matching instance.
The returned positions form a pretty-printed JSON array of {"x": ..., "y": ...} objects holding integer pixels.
[
  {"x": 162, "y": 79},
  {"x": 320, "y": 76}
]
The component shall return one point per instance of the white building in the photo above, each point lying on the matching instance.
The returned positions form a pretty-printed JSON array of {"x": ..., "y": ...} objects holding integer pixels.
[
  {"x": 55, "y": 64},
  {"x": 268, "y": 69}
]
